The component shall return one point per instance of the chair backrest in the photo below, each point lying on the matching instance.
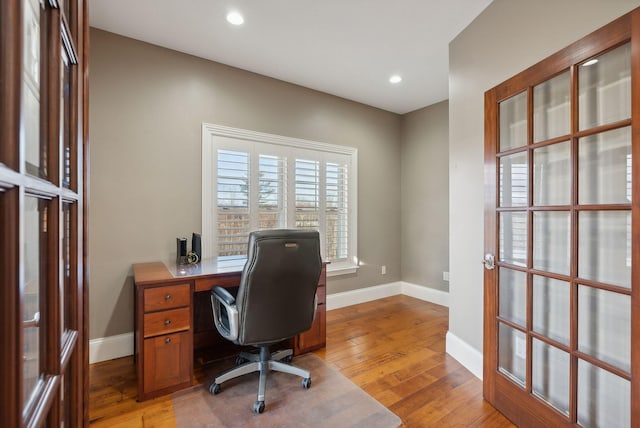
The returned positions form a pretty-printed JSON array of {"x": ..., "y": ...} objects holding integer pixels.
[{"x": 276, "y": 298}]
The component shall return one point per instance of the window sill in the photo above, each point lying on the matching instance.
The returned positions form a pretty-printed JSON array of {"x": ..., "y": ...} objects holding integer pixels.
[{"x": 341, "y": 268}]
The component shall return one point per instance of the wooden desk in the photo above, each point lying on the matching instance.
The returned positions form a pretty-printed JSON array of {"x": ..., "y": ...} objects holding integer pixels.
[{"x": 173, "y": 317}]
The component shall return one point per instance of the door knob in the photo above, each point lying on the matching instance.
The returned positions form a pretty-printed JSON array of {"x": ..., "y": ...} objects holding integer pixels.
[{"x": 488, "y": 262}]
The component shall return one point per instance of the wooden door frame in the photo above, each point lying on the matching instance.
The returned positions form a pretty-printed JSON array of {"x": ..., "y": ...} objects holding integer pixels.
[
  {"x": 536, "y": 412},
  {"x": 12, "y": 183}
]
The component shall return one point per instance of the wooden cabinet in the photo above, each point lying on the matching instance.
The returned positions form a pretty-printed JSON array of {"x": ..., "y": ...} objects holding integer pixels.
[
  {"x": 316, "y": 336},
  {"x": 164, "y": 340},
  {"x": 173, "y": 318}
]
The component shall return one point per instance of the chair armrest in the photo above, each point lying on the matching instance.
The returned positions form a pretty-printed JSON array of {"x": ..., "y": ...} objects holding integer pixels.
[
  {"x": 225, "y": 313},
  {"x": 223, "y": 295}
]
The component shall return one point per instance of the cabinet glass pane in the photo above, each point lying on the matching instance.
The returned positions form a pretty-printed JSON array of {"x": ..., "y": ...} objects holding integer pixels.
[
  {"x": 604, "y": 246},
  {"x": 604, "y": 326},
  {"x": 513, "y": 122},
  {"x": 605, "y": 168},
  {"x": 35, "y": 229},
  {"x": 514, "y": 180},
  {"x": 551, "y": 308},
  {"x": 513, "y": 238},
  {"x": 550, "y": 375},
  {"x": 513, "y": 296},
  {"x": 604, "y": 94},
  {"x": 603, "y": 398},
  {"x": 552, "y": 174},
  {"x": 552, "y": 108},
  {"x": 512, "y": 354},
  {"x": 34, "y": 152},
  {"x": 551, "y": 241}
]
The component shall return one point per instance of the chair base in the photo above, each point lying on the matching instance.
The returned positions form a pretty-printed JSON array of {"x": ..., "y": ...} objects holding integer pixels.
[{"x": 263, "y": 363}]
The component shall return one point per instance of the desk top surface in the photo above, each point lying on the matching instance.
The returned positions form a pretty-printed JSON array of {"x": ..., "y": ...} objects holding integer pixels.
[{"x": 170, "y": 271}]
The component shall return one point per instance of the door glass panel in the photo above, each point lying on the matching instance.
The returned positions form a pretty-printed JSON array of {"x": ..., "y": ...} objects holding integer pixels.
[
  {"x": 513, "y": 238},
  {"x": 35, "y": 230},
  {"x": 551, "y": 308},
  {"x": 552, "y": 108},
  {"x": 66, "y": 286},
  {"x": 604, "y": 326},
  {"x": 513, "y": 122},
  {"x": 603, "y": 398},
  {"x": 605, "y": 168},
  {"x": 550, "y": 375},
  {"x": 604, "y": 94},
  {"x": 34, "y": 152},
  {"x": 551, "y": 249},
  {"x": 604, "y": 246},
  {"x": 513, "y": 296},
  {"x": 65, "y": 118},
  {"x": 514, "y": 180},
  {"x": 512, "y": 354},
  {"x": 552, "y": 174}
]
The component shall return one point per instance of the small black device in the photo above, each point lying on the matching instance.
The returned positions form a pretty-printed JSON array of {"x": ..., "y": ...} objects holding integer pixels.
[
  {"x": 181, "y": 251},
  {"x": 196, "y": 245}
]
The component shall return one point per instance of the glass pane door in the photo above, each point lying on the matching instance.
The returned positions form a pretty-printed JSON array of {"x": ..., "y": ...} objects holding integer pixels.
[{"x": 560, "y": 298}]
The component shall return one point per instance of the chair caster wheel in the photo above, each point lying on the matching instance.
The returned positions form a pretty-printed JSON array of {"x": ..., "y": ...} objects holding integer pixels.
[
  {"x": 287, "y": 359},
  {"x": 258, "y": 407},
  {"x": 306, "y": 383},
  {"x": 240, "y": 361},
  {"x": 214, "y": 388}
]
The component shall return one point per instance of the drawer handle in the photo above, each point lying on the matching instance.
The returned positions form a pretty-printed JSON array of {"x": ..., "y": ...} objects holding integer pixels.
[
  {"x": 167, "y": 340},
  {"x": 167, "y": 323},
  {"x": 167, "y": 297}
]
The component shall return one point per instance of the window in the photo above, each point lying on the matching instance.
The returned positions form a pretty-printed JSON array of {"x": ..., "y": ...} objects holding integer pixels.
[{"x": 253, "y": 181}]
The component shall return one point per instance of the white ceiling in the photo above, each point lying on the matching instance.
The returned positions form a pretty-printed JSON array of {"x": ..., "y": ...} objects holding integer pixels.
[{"x": 347, "y": 48}]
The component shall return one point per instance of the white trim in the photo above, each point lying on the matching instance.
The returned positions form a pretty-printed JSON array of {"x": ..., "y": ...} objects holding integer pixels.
[
  {"x": 466, "y": 354},
  {"x": 111, "y": 347},
  {"x": 427, "y": 294},
  {"x": 261, "y": 137},
  {"x": 362, "y": 295},
  {"x": 108, "y": 348}
]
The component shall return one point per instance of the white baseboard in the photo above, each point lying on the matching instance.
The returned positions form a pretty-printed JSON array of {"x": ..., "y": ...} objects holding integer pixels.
[
  {"x": 362, "y": 295},
  {"x": 111, "y": 347},
  {"x": 121, "y": 345},
  {"x": 466, "y": 354}
]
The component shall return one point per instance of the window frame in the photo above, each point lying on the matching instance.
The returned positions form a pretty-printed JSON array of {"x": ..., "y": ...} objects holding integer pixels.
[{"x": 217, "y": 136}]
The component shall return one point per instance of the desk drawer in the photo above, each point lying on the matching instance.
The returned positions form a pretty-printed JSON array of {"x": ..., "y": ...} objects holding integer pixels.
[
  {"x": 167, "y": 297},
  {"x": 163, "y": 322}
]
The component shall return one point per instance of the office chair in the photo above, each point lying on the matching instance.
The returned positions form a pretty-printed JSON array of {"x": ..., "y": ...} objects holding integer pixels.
[{"x": 276, "y": 300}]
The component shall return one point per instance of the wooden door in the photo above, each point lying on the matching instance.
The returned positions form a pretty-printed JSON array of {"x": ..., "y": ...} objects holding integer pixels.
[
  {"x": 43, "y": 125},
  {"x": 562, "y": 302}
]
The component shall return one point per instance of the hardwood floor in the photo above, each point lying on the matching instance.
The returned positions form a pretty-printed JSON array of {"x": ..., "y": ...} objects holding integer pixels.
[{"x": 393, "y": 348}]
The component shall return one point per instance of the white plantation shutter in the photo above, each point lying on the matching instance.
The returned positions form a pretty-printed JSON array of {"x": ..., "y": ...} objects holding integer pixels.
[
  {"x": 263, "y": 181},
  {"x": 337, "y": 210},
  {"x": 307, "y": 194},
  {"x": 272, "y": 196},
  {"x": 233, "y": 220}
]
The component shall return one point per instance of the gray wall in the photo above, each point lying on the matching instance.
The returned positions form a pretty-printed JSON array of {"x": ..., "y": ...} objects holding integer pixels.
[
  {"x": 424, "y": 184},
  {"x": 508, "y": 37},
  {"x": 147, "y": 106}
]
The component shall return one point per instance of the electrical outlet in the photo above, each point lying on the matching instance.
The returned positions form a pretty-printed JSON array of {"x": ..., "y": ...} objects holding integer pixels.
[
  {"x": 383, "y": 270},
  {"x": 445, "y": 276}
]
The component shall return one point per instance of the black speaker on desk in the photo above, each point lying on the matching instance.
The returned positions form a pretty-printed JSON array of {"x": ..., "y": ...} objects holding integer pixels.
[
  {"x": 196, "y": 245},
  {"x": 181, "y": 251}
]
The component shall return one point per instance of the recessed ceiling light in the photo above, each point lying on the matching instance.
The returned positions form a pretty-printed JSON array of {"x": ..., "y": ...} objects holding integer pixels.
[
  {"x": 396, "y": 78},
  {"x": 235, "y": 18},
  {"x": 590, "y": 62}
]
